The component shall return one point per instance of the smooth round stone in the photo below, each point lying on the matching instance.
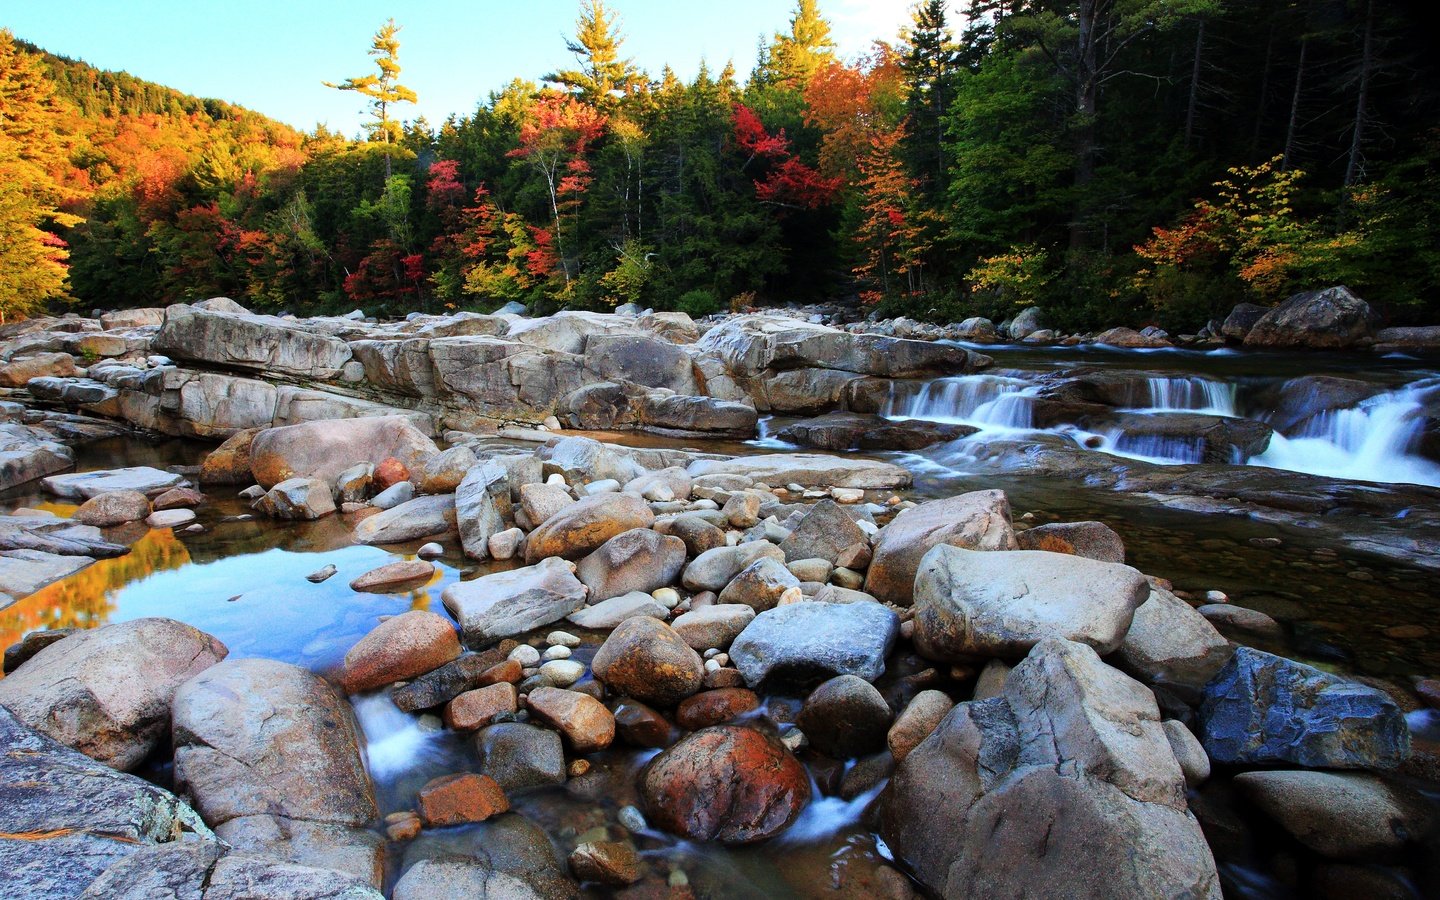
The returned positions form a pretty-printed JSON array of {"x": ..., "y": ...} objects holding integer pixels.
[
  {"x": 526, "y": 655},
  {"x": 556, "y": 479},
  {"x": 431, "y": 550},
  {"x": 632, "y": 818},
  {"x": 562, "y": 639},
  {"x": 667, "y": 597},
  {"x": 562, "y": 672},
  {"x": 170, "y": 518},
  {"x": 603, "y": 486},
  {"x": 557, "y": 652}
]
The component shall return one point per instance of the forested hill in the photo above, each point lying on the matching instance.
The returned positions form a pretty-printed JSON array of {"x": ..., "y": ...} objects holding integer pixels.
[{"x": 1112, "y": 161}]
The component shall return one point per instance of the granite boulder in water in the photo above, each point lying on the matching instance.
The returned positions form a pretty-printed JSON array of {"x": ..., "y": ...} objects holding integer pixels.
[{"x": 813, "y": 641}]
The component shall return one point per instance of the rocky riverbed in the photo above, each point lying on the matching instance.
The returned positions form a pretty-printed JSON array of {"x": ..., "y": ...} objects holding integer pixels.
[{"x": 610, "y": 604}]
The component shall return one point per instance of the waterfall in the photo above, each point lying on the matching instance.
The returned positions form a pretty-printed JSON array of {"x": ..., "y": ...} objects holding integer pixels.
[
  {"x": 394, "y": 740},
  {"x": 1189, "y": 393},
  {"x": 984, "y": 401}
]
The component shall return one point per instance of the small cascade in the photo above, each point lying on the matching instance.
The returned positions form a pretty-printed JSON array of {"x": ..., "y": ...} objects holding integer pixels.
[
  {"x": 1188, "y": 393},
  {"x": 394, "y": 740},
  {"x": 984, "y": 401},
  {"x": 1151, "y": 448},
  {"x": 1372, "y": 441}
]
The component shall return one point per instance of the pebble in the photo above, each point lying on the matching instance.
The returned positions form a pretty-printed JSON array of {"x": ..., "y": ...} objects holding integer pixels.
[
  {"x": 712, "y": 653},
  {"x": 632, "y": 818},
  {"x": 556, "y": 479},
  {"x": 562, "y": 672},
  {"x": 431, "y": 550},
  {"x": 712, "y": 666},
  {"x": 556, "y": 652},
  {"x": 196, "y": 528},
  {"x": 794, "y": 739},
  {"x": 525, "y": 655},
  {"x": 562, "y": 639},
  {"x": 847, "y": 495},
  {"x": 321, "y": 574},
  {"x": 603, "y": 486},
  {"x": 666, "y": 597},
  {"x": 1216, "y": 597}
]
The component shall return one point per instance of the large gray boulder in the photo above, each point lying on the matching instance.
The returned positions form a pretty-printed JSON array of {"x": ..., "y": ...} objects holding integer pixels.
[
  {"x": 1063, "y": 786},
  {"x": 509, "y": 603},
  {"x": 1265, "y": 709},
  {"x": 812, "y": 641},
  {"x": 325, "y": 449},
  {"x": 83, "y": 485},
  {"x": 1329, "y": 319},
  {"x": 640, "y": 559},
  {"x": 646, "y": 361},
  {"x": 972, "y": 604},
  {"x": 107, "y": 692},
  {"x": 1171, "y": 645},
  {"x": 422, "y": 517},
  {"x": 822, "y": 533},
  {"x": 482, "y": 503},
  {"x": 979, "y": 520},
  {"x": 258, "y": 343}
]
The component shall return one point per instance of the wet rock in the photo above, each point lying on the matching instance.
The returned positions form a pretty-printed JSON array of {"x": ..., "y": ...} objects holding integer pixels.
[
  {"x": 641, "y": 726},
  {"x": 322, "y": 574},
  {"x": 179, "y": 498},
  {"x": 85, "y": 485},
  {"x": 858, "y": 431},
  {"x": 715, "y": 707},
  {"x": 473, "y": 709},
  {"x": 107, "y": 692},
  {"x": 1092, "y": 540},
  {"x": 1228, "y": 615},
  {"x": 423, "y": 517},
  {"x": 1188, "y": 753},
  {"x": 714, "y": 569},
  {"x": 24, "y": 649},
  {"x": 112, "y": 508},
  {"x": 727, "y": 783},
  {"x": 398, "y": 649},
  {"x": 438, "y": 686},
  {"x": 298, "y": 498},
  {"x": 814, "y": 641},
  {"x": 644, "y": 658},
  {"x": 1339, "y": 815},
  {"x": 520, "y": 756},
  {"x": 395, "y": 577},
  {"x": 260, "y": 737},
  {"x": 808, "y": 469},
  {"x": 482, "y": 500},
  {"x": 1263, "y": 708},
  {"x": 324, "y": 449},
  {"x": 583, "y": 721},
  {"x": 759, "y": 585},
  {"x": 1298, "y": 400},
  {"x": 394, "y": 495},
  {"x": 845, "y": 717},
  {"x": 823, "y": 533},
  {"x": 359, "y": 853},
  {"x": 461, "y": 799},
  {"x": 610, "y": 613},
  {"x": 636, "y": 560},
  {"x": 1329, "y": 319},
  {"x": 1218, "y": 440},
  {"x": 445, "y": 876},
  {"x": 582, "y": 527},
  {"x": 921, "y": 717},
  {"x": 442, "y": 472},
  {"x": 1169, "y": 644},
  {"x": 610, "y": 863},
  {"x": 513, "y": 602},
  {"x": 979, "y": 520},
  {"x": 1069, "y": 763},
  {"x": 976, "y": 604},
  {"x": 170, "y": 518},
  {"x": 230, "y": 462}
]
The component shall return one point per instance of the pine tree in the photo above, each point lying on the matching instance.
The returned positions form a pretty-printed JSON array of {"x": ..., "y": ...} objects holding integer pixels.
[
  {"x": 382, "y": 89},
  {"x": 793, "y": 58},
  {"x": 928, "y": 60},
  {"x": 602, "y": 71}
]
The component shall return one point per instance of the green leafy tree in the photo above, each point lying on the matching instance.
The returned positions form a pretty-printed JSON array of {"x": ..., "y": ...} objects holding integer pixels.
[{"x": 383, "y": 88}]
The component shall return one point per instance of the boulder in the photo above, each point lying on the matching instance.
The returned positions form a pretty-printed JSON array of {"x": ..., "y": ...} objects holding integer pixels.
[
  {"x": 258, "y": 343},
  {"x": 482, "y": 502},
  {"x": 714, "y": 626},
  {"x": 423, "y": 517},
  {"x": 808, "y": 469},
  {"x": 1264, "y": 709},
  {"x": 727, "y": 783},
  {"x": 698, "y": 534},
  {"x": 583, "y": 721},
  {"x": 973, "y": 604},
  {"x": 1329, "y": 319},
  {"x": 979, "y": 520},
  {"x": 759, "y": 585},
  {"x": 583, "y": 526},
  {"x": 610, "y": 613},
  {"x": 1069, "y": 764},
  {"x": 1298, "y": 400},
  {"x": 399, "y": 649},
  {"x": 1171, "y": 645},
  {"x": 1092, "y": 540},
  {"x": 859, "y": 431},
  {"x": 513, "y": 602},
  {"x": 442, "y": 472},
  {"x": 23, "y": 650},
  {"x": 507, "y": 856},
  {"x": 823, "y": 532},
  {"x": 404, "y": 575},
  {"x": 1028, "y": 321},
  {"x": 612, "y": 863},
  {"x": 636, "y": 560},
  {"x": 83, "y": 485},
  {"x": 18, "y": 372},
  {"x": 809, "y": 642},
  {"x": 715, "y": 707},
  {"x": 1129, "y": 338},
  {"x": 298, "y": 498},
  {"x": 260, "y": 737},
  {"x": 541, "y": 501},
  {"x": 358, "y": 853},
  {"x": 112, "y": 508},
  {"x": 1219, "y": 440},
  {"x": 641, "y": 360},
  {"x": 845, "y": 717},
  {"x": 460, "y": 799},
  {"x": 457, "y": 875},
  {"x": 1241, "y": 319},
  {"x": 1340, "y": 815},
  {"x": 581, "y": 459},
  {"x": 466, "y": 672},
  {"x": 325, "y": 449},
  {"x": 107, "y": 692},
  {"x": 521, "y": 757},
  {"x": 714, "y": 569},
  {"x": 918, "y": 720},
  {"x": 644, "y": 658}
]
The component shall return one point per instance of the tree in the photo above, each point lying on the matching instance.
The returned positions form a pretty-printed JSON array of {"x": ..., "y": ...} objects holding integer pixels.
[
  {"x": 383, "y": 89},
  {"x": 32, "y": 255},
  {"x": 596, "y": 46},
  {"x": 793, "y": 58},
  {"x": 889, "y": 235},
  {"x": 928, "y": 61}
]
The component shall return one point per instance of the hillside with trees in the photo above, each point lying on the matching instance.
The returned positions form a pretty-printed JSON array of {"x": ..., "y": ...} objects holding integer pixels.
[{"x": 1113, "y": 161}]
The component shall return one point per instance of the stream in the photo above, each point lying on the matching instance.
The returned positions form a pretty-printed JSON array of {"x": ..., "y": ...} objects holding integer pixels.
[{"x": 1341, "y": 609}]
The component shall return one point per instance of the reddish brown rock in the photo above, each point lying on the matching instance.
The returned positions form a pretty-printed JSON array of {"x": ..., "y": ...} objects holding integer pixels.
[
  {"x": 474, "y": 709},
  {"x": 179, "y": 498},
  {"x": 389, "y": 473},
  {"x": 727, "y": 783},
  {"x": 607, "y": 862},
  {"x": 229, "y": 463},
  {"x": 509, "y": 671},
  {"x": 399, "y": 649},
  {"x": 583, "y": 721},
  {"x": 396, "y": 576},
  {"x": 458, "y": 799},
  {"x": 583, "y": 526},
  {"x": 642, "y": 726},
  {"x": 644, "y": 658},
  {"x": 715, "y": 707},
  {"x": 1093, "y": 540},
  {"x": 723, "y": 678}
]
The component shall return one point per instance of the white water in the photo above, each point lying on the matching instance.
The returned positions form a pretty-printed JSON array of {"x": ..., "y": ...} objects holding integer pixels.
[
  {"x": 394, "y": 740},
  {"x": 825, "y": 816},
  {"x": 987, "y": 402},
  {"x": 1188, "y": 393},
  {"x": 1369, "y": 442}
]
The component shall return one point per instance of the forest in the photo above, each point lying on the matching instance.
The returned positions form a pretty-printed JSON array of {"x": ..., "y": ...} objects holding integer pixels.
[{"x": 1111, "y": 161}]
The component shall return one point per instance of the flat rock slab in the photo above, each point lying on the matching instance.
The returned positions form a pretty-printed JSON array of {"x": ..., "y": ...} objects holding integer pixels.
[
  {"x": 397, "y": 576},
  {"x": 84, "y": 485},
  {"x": 815, "y": 641},
  {"x": 23, "y": 572},
  {"x": 513, "y": 602},
  {"x": 808, "y": 469}
]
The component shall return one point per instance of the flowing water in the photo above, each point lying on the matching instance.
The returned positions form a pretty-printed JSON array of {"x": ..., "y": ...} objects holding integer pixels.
[{"x": 242, "y": 580}]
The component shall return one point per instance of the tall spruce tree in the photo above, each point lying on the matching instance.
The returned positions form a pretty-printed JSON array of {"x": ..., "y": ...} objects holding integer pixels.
[{"x": 383, "y": 89}]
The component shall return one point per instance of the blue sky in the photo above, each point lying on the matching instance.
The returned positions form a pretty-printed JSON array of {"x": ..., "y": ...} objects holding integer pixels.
[{"x": 271, "y": 55}]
